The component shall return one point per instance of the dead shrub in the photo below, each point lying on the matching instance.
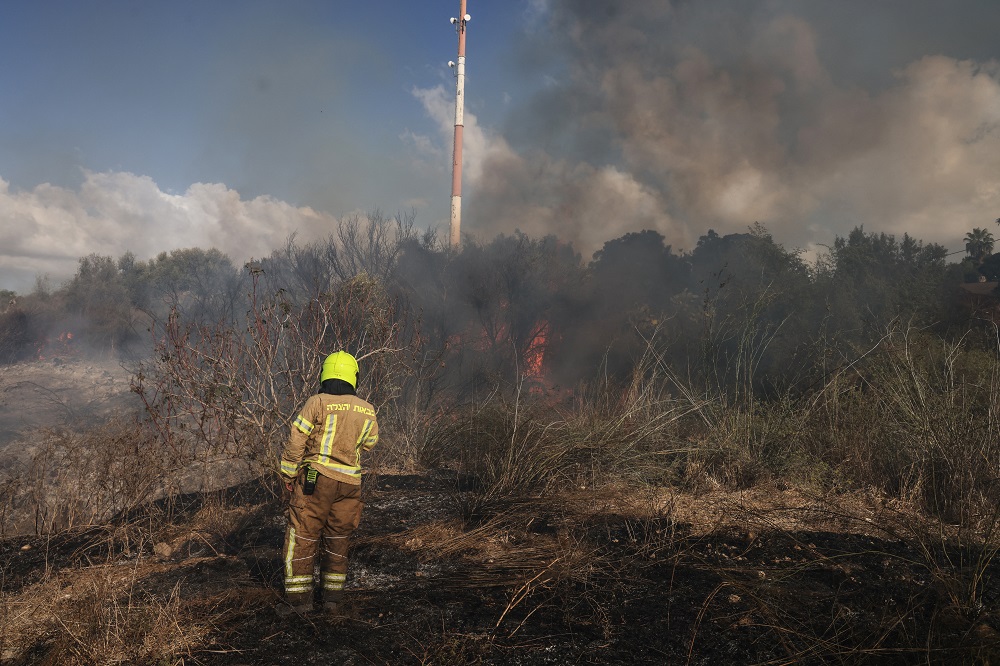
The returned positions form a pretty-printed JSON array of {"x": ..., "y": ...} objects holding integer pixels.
[
  {"x": 228, "y": 389},
  {"x": 919, "y": 422},
  {"x": 85, "y": 477},
  {"x": 15, "y": 335},
  {"x": 511, "y": 450}
]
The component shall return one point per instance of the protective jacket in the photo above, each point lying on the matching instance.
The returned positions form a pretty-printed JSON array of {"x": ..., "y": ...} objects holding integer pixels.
[{"x": 329, "y": 434}]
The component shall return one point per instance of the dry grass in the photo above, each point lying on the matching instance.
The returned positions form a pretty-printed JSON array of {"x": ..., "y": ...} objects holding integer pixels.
[
  {"x": 100, "y": 615},
  {"x": 835, "y": 577},
  {"x": 562, "y": 510},
  {"x": 155, "y": 587},
  {"x": 101, "y": 599},
  {"x": 86, "y": 476}
]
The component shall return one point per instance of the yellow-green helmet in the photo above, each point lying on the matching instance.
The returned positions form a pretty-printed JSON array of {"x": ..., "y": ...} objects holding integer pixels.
[{"x": 340, "y": 365}]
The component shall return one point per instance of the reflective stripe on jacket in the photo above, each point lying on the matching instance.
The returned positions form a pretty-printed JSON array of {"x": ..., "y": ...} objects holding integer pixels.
[{"x": 330, "y": 433}]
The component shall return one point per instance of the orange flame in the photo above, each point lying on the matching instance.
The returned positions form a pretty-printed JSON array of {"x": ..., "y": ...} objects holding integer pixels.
[{"x": 534, "y": 355}]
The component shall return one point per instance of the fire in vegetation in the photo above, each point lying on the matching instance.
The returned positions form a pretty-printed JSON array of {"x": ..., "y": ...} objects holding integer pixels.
[
  {"x": 534, "y": 355},
  {"x": 56, "y": 346}
]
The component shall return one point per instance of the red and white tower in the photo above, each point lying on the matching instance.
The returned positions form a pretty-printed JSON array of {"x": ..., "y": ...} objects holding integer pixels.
[{"x": 460, "y": 24}]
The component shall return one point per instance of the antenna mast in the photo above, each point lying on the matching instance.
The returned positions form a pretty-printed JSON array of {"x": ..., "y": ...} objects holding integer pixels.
[{"x": 456, "y": 162}]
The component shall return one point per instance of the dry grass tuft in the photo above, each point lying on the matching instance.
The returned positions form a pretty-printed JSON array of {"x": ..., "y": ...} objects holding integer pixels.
[{"x": 102, "y": 615}]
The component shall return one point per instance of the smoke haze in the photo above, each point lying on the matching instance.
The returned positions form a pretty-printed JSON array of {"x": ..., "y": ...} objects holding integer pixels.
[{"x": 682, "y": 117}]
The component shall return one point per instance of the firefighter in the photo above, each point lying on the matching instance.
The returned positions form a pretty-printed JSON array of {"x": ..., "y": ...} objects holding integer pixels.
[{"x": 321, "y": 467}]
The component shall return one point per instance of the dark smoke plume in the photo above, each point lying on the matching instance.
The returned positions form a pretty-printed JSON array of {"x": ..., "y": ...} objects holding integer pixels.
[{"x": 685, "y": 116}]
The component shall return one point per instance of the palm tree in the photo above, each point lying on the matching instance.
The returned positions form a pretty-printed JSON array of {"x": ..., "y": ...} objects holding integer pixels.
[{"x": 979, "y": 244}]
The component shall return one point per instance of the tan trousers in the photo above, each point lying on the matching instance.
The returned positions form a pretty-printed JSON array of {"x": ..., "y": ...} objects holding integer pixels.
[{"x": 326, "y": 517}]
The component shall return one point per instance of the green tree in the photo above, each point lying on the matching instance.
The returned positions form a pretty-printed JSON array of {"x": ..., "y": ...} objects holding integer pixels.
[
  {"x": 979, "y": 244},
  {"x": 756, "y": 303},
  {"x": 633, "y": 284},
  {"x": 877, "y": 279},
  {"x": 638, "y": 270},
  {"x": 201, "y": 284},
  {"x": 97, "y": 294}
]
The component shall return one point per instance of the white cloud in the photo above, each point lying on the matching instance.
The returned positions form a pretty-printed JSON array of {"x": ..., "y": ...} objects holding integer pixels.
[{"x": 46, "y": 230}]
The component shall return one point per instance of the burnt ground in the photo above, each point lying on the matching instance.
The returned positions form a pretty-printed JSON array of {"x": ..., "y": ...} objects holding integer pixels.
[{"x": 578, "y": 578}]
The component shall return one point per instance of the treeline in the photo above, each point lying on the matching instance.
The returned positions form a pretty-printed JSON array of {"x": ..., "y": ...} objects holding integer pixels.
[
  {"x": 109, "y": 305},
  {"x": 738, "y": 312}
]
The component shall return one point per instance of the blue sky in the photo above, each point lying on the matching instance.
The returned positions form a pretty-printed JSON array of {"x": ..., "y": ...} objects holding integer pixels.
[
  {"x": 148, "y": 126},
  {"x": 304, "y": 101}
]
